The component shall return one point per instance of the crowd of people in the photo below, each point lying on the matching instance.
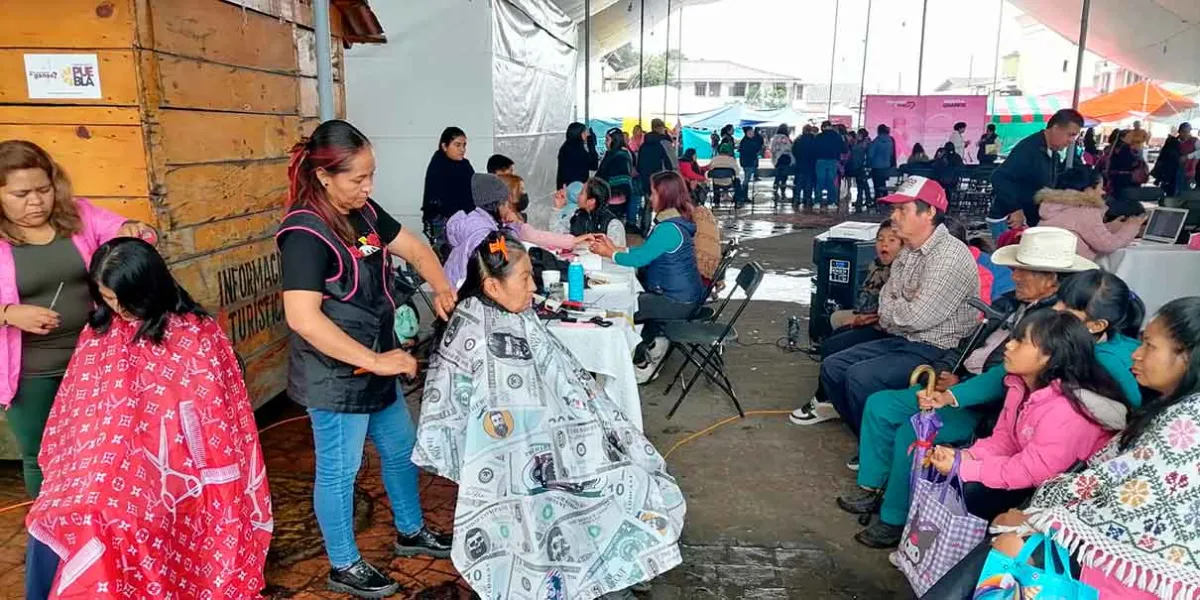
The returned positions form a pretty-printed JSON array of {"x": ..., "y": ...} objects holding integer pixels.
[{"x": 137, "y": 435}]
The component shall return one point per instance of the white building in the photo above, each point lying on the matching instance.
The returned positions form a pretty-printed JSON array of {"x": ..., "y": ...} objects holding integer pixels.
[
  {"x": 1045, "y": 61},
  {"x": 721, "y": 79}
]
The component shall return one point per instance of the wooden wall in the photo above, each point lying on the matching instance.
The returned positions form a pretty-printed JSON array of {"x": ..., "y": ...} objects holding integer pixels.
[{"x": 202, "y": 101}]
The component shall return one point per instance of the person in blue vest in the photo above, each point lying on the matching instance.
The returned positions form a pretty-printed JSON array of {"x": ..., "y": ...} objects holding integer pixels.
[
  {"x": 668, "y": 260},
  {"x": 344, "y": 357}
]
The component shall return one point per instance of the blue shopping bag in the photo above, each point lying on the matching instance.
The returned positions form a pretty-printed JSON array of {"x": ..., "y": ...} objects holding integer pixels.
[{"x": 1008, "y": 578}]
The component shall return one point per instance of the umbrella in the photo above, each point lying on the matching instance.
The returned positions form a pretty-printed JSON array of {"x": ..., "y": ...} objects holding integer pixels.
[
  {"x": 925, "y": 423},
  {"x": 1144, "y": 98}
]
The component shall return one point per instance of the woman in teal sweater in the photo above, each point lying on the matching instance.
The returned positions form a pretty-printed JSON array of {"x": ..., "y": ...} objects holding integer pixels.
[{"x": 1109, "y": 310}]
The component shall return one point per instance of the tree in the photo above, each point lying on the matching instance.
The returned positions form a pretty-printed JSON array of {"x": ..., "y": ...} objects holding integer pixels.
[
  {"x": 767, "y": 97},
  {"x": 655, "y": 67}
]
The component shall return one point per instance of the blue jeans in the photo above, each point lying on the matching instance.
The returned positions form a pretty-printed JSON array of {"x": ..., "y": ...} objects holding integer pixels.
[
  {"x": 748, "y": 173},
  {"x": 850, "y": 376},
  {"x": 339, "y": 439},
  {"x": 41, "y": 565},
  {"x": 827, "y": 181}
]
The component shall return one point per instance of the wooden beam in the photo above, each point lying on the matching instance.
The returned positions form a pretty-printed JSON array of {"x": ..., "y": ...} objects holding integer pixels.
[
  {"x": 189, "y": 136},
  {"x": 223, "y": 33},
  {"x": 67, "y": 24},
  {"x": 118, "y": 77},
  {"x": 15, "y": 114},
  {"x": 102, "y": 160},
  {"x": 202, "y": 193},
  {"x": 189, "y": 83}
]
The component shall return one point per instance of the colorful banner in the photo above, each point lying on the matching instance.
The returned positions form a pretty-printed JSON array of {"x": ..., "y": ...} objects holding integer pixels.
[{"x": 927, "y": 120}]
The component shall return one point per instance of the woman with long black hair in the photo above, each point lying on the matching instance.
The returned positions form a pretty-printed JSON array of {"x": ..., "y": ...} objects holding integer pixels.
[
  {"x": 577, "y": 156},
  {"x": 155, "y": 485},
  {"x": 559, "y": 494},
  {"x": 447, "y": 185},
  {"x": 344, "y": 357}
]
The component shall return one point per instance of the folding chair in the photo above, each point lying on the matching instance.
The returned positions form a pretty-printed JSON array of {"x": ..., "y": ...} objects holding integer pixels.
[
  {"x": 703, "y": 343},
  {"x": 718, "y": 191},
  {"x": 702, "y": 312}
]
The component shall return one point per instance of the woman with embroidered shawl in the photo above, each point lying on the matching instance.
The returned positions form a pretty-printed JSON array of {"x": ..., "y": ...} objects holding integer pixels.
[
  {"x": 1131, "y": 519},
  {"x": 154, "y": 479},
  {"x": 560, "y": 496}
]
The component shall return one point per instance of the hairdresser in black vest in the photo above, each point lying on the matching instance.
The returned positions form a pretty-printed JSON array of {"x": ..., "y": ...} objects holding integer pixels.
[{"x": 344, "y": 356}]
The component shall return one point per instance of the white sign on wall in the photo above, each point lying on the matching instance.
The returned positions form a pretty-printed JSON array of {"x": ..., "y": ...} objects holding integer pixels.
[{"x": 59, "y": 76}]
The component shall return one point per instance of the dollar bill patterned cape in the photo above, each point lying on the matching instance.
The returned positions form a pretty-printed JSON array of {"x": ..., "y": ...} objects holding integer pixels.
[
  {"x": 560, "y": 496},
  {"x": 155, "y": 484},
  {"x": 1135, "y": 514}
]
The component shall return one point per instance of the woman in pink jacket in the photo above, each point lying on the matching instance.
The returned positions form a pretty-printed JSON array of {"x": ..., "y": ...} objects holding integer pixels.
[
  {"x": 1077, "y": 205},
  {"x": 1062, "y": 406}
]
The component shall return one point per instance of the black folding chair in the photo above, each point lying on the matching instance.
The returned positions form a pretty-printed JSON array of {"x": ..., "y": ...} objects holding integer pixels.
[
  {"x": 703, "y": 342},
  {"x": 702, "y": 312},
  {"x": 718, "y": 190}
]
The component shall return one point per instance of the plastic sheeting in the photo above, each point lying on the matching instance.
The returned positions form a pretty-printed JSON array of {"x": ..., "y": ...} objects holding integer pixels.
[{"x": 533, "y": 91}]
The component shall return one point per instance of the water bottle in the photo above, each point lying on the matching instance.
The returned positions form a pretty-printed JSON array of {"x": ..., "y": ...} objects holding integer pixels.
[{"x": 575, "y": 281}]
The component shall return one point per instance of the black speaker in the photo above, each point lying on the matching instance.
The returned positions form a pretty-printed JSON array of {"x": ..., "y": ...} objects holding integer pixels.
[{"x": 842, "y": 265}]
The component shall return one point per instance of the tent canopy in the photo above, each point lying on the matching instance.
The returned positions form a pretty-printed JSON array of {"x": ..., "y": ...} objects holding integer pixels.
[
  {"x": 1144, "y": 98},
  {"x": 1024, "y": 109},
  {"x": 1158, "y": 38}
]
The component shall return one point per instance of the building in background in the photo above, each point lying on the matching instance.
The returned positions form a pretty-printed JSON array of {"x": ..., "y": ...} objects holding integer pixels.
[{"x": 720, "y": 79}]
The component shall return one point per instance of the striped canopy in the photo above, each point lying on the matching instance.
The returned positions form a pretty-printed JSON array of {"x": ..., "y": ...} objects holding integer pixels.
[{"x": 1024, "y": 109}]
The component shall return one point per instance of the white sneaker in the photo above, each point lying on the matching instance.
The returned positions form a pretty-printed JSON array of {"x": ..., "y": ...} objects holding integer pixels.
[
  {"x": 814, "y": 412},
  {"x": 894, "y": 558},
  {"x": 645, "y": 374},
  {"x": 658, "y": 349}
]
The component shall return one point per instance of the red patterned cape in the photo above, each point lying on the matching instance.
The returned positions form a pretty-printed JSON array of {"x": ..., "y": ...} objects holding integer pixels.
[{"x": 154, "y": 479}]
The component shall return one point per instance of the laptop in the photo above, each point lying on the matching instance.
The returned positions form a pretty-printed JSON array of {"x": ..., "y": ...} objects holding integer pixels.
[{"x": 1164, "y": 225}]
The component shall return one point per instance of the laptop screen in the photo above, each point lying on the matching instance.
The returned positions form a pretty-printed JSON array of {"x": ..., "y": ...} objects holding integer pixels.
[{"x": 1164, "y": 225}]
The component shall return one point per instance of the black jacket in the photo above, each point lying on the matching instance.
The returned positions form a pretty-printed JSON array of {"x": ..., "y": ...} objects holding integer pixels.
[
  {"x": 576, "y": 161},
  {"x": 447, "y": 187},
  {"x": 830, "y": 145},
  {"x": 654, "y": 156},
  {"x": 1028, "y": 168},
  {"x": 749, "y": 149},
  {"x": 802, "y": 151},
  {"x": 1007, "y": 305},
  {"x": 584, "y": 222}
]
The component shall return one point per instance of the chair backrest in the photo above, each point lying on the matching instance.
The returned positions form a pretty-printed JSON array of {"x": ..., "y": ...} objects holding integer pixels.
[
  {"x": 747, "y": 280},
  {"x": 722, "y": 173},
  {"x": 727, "y": 255}
]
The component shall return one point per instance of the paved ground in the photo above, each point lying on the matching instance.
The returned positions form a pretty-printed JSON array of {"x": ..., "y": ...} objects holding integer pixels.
[{"x": 761, "y": 518}]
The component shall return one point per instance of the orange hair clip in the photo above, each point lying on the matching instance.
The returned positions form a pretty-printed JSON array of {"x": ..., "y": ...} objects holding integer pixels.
[{"x": 499, "y": 246}]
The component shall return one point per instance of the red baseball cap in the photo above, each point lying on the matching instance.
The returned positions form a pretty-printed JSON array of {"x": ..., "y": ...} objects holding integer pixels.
[{"x": 915, "y": 188}]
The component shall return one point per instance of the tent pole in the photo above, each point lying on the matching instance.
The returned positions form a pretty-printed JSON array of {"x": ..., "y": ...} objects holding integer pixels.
[
  {"x": 324, "y": 60},
  {"x": 862, "y": 80},
  {"x": 641, "y": 61},
  {"x": 679, "y": 79},
  {"x": 1083, "y": 31},
  {"x": 837, "y": 6},
  {"x": 667, "y": 62},
  {"x": 587, "y": 61},
  {"x": 996, "y": 63},
  {"x": 921, "y": 53}
]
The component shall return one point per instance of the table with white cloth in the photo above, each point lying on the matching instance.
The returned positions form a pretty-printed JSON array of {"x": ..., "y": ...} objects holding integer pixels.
[
  {"x": 1157, "y": 273},
  {"x": 608, "y": 351}
]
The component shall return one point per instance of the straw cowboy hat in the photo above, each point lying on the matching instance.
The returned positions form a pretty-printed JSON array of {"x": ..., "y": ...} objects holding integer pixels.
[{"x": 1050, "y": 249}]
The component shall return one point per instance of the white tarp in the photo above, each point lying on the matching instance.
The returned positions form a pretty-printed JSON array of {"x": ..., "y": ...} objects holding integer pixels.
[{"x": 1157, "y": 38}]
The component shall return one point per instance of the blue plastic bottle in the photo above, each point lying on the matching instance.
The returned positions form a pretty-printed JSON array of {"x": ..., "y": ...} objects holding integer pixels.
[{"x": 575, "y": 281}]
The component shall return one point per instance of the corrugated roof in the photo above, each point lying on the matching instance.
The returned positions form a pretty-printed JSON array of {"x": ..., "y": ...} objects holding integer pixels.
[{"x": 359, "y": 23}]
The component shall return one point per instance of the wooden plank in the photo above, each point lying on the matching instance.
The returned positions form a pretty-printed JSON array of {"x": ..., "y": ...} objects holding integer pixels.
[
  {"x": 102, "y": 160},
  {"x": 267, "y": 373},
  {"x": 138, "y": 209},
  {"x": 67, "y": 24},
  {"x": 118, "y": 77},
  {"x": 223, "y": 33},
  {"x": 188, "y": 83},
  {"x": 209, "y": 237},
  {"x": 16, "y": 114},
  {"x": 279, "y": 9},
  {"x": 201, "y": 193},
  {"x": 232, "y": 275},
  {"x": 187, "y": 136}
]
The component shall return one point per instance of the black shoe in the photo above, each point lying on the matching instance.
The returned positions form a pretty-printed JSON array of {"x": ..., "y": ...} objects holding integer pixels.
[
  {"x": 363, "y": 580},
  {"x": 880, "y": 535},
  {"x": 861, "y": 502},
  {"x": 423, "y": 542}
]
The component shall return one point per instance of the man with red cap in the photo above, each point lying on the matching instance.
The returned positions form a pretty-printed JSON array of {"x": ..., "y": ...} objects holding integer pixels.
[{"x": 922, "y": 306}]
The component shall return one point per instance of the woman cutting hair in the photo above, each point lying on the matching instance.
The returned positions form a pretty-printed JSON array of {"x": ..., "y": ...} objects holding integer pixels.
[
  {"x": 560, "y": 496},
  {"x": 344, "y": 356},
  {"x": 155, "y": 483}
]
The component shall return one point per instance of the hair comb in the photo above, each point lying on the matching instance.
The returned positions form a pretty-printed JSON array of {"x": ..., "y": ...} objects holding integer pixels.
[{"x": 500, "y": 246}]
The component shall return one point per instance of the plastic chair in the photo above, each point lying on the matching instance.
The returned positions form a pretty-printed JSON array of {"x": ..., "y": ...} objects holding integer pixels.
[{"x": 703, "y": 343}]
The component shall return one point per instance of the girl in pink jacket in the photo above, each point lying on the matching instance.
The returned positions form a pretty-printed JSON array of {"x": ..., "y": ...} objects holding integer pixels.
[
  {"x": 1078, "y": 206},
  {"x": 1061, "y": 407}
]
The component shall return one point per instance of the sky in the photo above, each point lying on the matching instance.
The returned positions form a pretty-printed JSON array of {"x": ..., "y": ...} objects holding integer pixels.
[{"x": 796, "y": 37}]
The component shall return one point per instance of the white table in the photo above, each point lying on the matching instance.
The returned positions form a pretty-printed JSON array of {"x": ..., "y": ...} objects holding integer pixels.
[
  {"x": 1157, "y": 273},
  {"x": 608, "y": 351}
]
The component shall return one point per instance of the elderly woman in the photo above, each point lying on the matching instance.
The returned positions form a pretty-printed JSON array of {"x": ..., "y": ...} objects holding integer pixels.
[
  {"x": 344, "y": 355},
  {"x": 47, "y": 238},
  {"x": 155, "y": 483}
]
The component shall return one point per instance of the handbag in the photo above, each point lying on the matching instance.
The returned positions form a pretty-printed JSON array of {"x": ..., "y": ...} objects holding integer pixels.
[
  {"x": 1006, "y": 577},
  {"x": 939, "y": 531}
]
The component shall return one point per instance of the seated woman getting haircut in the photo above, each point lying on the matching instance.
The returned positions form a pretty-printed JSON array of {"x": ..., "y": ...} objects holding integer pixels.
[{"x": 560, "y": 496}]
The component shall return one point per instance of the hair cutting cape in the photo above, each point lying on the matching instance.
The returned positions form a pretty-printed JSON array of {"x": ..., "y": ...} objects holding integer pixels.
[
  {"x": 560, "y": 496},
  {"x": 155, "y": 485}
]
